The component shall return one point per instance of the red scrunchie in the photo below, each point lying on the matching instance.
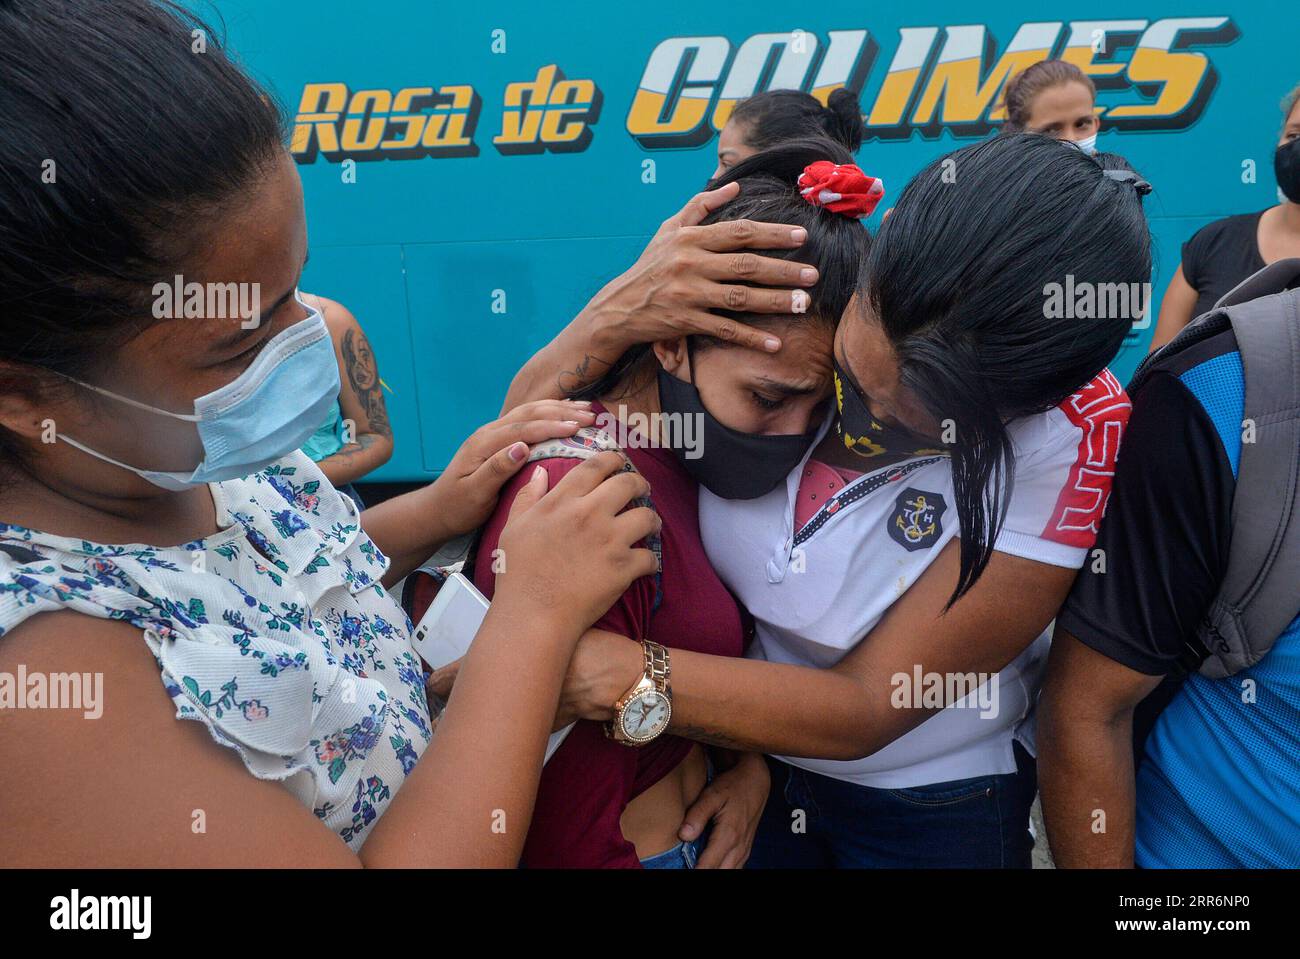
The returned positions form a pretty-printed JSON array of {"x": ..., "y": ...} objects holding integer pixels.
[{"x": 840, "y": 188}]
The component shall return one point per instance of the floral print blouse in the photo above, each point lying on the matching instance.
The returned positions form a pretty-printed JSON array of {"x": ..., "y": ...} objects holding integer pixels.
[{"x": 274, "y": 632}]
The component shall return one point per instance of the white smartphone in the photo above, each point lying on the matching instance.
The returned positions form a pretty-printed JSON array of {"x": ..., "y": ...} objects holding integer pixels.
[
  {"x": 451, "y": 622},
  {"x": 448, "y": 627}
]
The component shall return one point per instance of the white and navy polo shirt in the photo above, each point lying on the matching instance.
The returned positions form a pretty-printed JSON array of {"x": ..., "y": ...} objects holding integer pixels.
[{"x": 815, "y": 592}]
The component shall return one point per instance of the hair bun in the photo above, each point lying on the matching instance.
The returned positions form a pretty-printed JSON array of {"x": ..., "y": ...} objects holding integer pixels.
[{"x": 842, "y": 118}]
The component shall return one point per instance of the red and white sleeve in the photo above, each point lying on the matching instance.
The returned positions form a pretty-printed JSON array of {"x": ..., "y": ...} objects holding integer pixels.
[{"x": 1065, "y": 465}]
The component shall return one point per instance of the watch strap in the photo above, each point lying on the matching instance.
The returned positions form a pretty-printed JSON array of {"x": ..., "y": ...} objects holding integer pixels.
[{"x": 657, "y": 666}]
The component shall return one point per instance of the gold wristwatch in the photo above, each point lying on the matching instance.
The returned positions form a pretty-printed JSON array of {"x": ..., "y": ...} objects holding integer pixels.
[{"x": 642, "y": 713}]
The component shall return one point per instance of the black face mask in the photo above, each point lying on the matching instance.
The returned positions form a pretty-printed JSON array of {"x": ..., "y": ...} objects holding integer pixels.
[
  {"x": 1286, "y": 167},
  {"x": 732, "y": 465},
  {"x": 865, "y": 435}
]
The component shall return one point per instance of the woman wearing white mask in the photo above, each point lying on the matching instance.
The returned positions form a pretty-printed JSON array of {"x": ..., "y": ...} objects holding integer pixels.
[
  {"x": 157, "y": 521},
  {"x": 1056, "y": 99},
  {"x": 1223, "y": 253}
]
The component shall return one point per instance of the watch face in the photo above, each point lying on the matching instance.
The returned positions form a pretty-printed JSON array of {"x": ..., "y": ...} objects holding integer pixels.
[{"x": 646, "y": 716}]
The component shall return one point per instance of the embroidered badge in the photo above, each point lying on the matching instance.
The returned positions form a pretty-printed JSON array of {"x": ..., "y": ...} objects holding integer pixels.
[{"x": 917, "y": 520}]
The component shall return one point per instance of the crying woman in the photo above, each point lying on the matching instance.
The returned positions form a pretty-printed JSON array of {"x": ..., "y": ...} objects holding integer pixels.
[{"x": 691, "y": 412}]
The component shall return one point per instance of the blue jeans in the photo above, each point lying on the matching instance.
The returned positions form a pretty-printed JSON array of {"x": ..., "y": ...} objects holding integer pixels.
[
  {"x": 684, "y": 855},
  {"x": 980, "y": 823}
]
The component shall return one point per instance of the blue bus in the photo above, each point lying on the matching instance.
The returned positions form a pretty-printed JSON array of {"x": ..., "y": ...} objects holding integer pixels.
[{"x": 474, "y": 173}]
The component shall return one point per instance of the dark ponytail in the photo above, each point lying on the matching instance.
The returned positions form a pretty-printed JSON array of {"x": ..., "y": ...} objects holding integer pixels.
[
  {"x": 775, "y": 116},
  {"x": 837, "y": 245},
  {"x": 958, "y": 278},
  {"x": 118, "y": 142}
]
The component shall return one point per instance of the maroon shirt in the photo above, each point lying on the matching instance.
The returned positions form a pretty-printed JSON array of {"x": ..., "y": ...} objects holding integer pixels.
[{"x": 591, "y": 779}]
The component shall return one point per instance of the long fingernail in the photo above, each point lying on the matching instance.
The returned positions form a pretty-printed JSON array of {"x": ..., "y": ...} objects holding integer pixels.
[
  {"x": 518, "y": 452},
  {"x": 808, "y": 275},
  {"x": 798, "y": 234}
]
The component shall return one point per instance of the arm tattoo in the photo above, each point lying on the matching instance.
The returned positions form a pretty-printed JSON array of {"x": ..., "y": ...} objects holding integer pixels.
[
  {"x": 345, "y": 455},
  {"x": 570, "y": 381},
  {"x": 363, "y": 374},
  {"x": 710, "y": 737}
]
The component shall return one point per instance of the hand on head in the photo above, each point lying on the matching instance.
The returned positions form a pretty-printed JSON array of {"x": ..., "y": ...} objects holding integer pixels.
[{"x": 689, "y": 269}]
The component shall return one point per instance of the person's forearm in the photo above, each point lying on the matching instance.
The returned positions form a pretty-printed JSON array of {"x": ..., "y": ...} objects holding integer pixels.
[
  {"x": 408, "y": 529},
  {"x": 579, "y": 355},
  {"x": 750, "y": 705},
  {"x": 754, "y": 706},
  {"x": 355, "y": 460},
  {"x": 1176, "y": 309},
  {"x": 1173, "y": 317},
  {"x": 1085, "y": 777},
  {"x": 469, "y": 800},
  {"x": 368, "y": 453},
  {"x": 757, "y": 706}
]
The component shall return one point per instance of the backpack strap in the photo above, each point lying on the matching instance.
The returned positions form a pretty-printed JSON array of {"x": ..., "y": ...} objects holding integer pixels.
[
  {"x": 1258, "y": 595},
  {"x": 1274, "y": 278},
  {"x": 1201, "y": 328}
]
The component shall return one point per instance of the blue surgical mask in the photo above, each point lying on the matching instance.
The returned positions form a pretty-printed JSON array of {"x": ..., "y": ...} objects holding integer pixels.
[
  {"x": 1087, "y": 145},
  {"x": 262, "y": 415}
]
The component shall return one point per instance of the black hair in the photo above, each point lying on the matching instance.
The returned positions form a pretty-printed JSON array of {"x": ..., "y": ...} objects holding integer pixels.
[
  {"x": 958, "y": 277},
  {"x": 837, "y": 245},
  {"x": 775, "y": 116},
  {"x": 117, "y": 137}
]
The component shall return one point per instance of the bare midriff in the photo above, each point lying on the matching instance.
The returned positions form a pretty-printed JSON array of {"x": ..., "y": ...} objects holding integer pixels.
[{"x": 651, "y": 820}]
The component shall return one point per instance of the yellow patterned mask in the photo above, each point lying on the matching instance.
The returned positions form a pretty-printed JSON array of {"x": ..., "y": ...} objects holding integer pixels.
[{"x": 865, "y": 435}]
